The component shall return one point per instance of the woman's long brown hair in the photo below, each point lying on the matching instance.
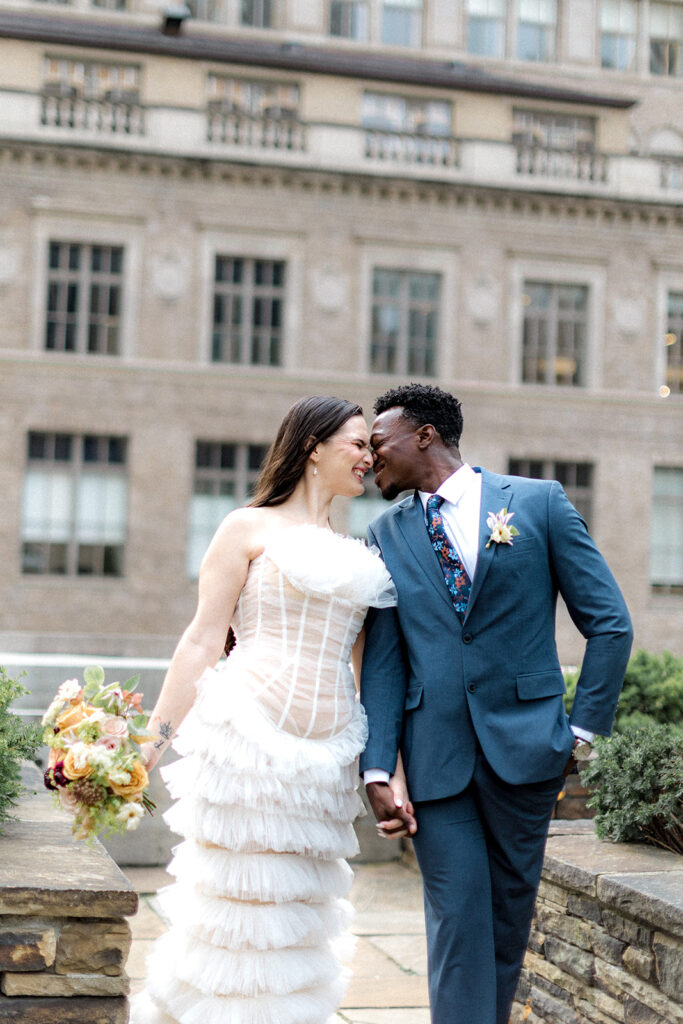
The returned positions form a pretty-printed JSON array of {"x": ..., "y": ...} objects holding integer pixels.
[{"x": 309, "y": 422}]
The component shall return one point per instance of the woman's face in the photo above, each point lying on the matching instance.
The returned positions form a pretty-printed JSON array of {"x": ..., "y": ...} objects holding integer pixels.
[{"x": 345, "y": 458}]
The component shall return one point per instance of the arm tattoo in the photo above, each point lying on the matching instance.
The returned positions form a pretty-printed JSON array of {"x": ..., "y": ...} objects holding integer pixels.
[{"x": 165, "y": 733}]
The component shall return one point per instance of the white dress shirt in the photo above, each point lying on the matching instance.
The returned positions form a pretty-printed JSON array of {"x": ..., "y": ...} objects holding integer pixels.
[{"x": 461, "y": 512}]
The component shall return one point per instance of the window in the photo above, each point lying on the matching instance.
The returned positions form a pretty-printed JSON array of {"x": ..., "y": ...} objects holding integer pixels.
[
  {"x": 666, "y": 37},
  {"x": 575, "y": 477},
  {"x": 253, "y": 112},
  {"x": 486, "y": 27},
  {"x": 557, "y": 145},
  {"x": 402, "y": 22},
  {"x": 349, "y": 19},
  {"x": 674, "y": 343},
  {"x": 554, "y": 333},
  {"x": 206, "y": 10},
  {"x": 666, "y": 571},
  {"x": 536, "y": 30},
  {"x": 394, "y": 113},
  {"x": 84, "y": 298},
  {"x": 248, "y": 311},
  {"x": 110, "y": 5},
  {"x": 618, "y": 32},
  {"x": 225, "y": 474},
  {"x": 74, "y": 511},
  {"x": 405, "y": 308},
  {"x": 92, "y": 96},
  {"x": 258, "y": 13}
]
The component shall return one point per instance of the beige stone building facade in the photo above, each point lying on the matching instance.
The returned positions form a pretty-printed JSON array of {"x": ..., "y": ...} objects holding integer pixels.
[{"x": 208, "y": 213}]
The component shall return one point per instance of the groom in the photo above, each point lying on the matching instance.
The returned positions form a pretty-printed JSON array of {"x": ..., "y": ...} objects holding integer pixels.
[{"x": 463, "y": 677}]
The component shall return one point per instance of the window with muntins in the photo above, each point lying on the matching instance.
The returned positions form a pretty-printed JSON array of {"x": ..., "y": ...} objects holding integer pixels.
[
  {"x": 666, "y": 39},
  {"x": 258, "y": 13},
  {"x": 224, "y": 477},
  {"x": 554, "y": 333},
  {"x": 575, "y": 477},
  {"x": 666, "y": 552},
  {"x": 75, "y": 505},
  {"x": 618, "y": 34},
  {"x": 402, "y": 23},
  {"x": 405, "y": 310},
  {"x": 486, "y": 27},
  {"x": 248, "y": 306},
  {"x": 83, "y": 308},
  {"x": 674, "y": 343},
  {"x": 536, "y": 30},
  {"x": 349, "y": 19}
]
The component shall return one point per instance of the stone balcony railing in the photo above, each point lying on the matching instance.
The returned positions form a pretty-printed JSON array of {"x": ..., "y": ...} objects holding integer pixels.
[
  {"x": 100, "y": 117},
  {"x": 64, "y": 937},
  {"x": 220, "y": 136}
]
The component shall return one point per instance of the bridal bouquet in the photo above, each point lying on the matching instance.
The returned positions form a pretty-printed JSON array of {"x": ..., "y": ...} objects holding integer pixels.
[{"x": 94, "y": 734}]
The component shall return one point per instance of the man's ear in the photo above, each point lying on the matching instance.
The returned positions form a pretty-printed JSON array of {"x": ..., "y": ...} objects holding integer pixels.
[{"x": 425, "y": 436}]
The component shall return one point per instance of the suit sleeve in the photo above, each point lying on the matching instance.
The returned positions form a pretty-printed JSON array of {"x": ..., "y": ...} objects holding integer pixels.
[
  {"x": 598, "y": 610},
  {"x": 383, "y": 685}
]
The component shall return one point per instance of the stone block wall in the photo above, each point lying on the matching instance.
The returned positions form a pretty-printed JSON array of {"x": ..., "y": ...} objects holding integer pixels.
[
  {"x": 64, "y": 937},
  {"x": 606, "y": 945}
]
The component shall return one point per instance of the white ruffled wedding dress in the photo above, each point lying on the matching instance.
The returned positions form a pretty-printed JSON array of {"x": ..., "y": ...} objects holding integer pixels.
[{"x": 266, "y": 796}]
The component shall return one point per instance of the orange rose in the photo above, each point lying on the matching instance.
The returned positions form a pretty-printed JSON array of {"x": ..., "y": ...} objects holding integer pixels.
[
  {"x": 73, "y": 716},
  {"x": 138, "y": 782},
  {"x": 76, "y": 767}
]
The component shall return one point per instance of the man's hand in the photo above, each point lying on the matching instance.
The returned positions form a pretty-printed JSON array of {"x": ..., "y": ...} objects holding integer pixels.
[{"x": 395, "y": 816}]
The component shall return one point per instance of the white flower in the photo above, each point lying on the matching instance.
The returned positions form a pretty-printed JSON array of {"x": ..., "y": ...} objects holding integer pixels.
[
  {"x": 69, "y": 690},
  {"x": 100, "y": 757},
  {"x": 119, "y": 776},
  {"x": 81, "y": 753},
  {"x": 130, "y": 814},
  {"x": 52, "y": 712},
  {"x": 501, "y": 531}
]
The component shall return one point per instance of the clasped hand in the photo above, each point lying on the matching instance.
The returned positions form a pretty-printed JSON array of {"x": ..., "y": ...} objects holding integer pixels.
[{"x": 392, "y": 808}]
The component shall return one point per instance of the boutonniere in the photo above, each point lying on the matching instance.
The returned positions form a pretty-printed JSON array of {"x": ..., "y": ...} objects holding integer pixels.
[{"x": 499, "y": 525}]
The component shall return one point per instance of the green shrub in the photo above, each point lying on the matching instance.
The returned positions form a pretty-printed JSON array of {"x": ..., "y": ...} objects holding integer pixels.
[
  {"x": 636, "y": 782},
  {"x": 17, "y": 741},
  {"x": 652, "y": 691}
]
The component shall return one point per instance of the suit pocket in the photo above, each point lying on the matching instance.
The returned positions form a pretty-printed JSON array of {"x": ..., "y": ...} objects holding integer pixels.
[
  {"x": 413, "y": 697},
  {"x": 533, "y": 685}
]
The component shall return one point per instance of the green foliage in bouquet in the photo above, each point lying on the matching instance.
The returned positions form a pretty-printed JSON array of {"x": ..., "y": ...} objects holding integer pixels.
[
  {"x": 18, "y": 740},
  {"x": 652, "y": 691},
  {"x": 636, "y": 782}
]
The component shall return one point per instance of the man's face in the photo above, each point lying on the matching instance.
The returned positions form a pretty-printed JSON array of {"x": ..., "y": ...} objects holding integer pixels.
[{"x": 396, "y": 457}]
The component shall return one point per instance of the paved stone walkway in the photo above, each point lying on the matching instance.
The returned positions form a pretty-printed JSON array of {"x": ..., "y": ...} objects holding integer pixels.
[{"x": 389, "y": 983}]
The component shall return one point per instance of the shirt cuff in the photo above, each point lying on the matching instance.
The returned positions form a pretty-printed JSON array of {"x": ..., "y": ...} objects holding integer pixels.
[
  {"x": 583, "y": 734},
  {"x": 375, "y": 775}
]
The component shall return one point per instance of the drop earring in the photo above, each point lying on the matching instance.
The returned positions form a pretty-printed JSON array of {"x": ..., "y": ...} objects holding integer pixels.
[{"x": 315, "y": 471}]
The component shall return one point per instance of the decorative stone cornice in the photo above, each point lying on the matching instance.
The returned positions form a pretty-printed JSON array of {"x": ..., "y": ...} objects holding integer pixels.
[
  {"x": 223, "y": 48},
  {"x": 26, "y": 157}
]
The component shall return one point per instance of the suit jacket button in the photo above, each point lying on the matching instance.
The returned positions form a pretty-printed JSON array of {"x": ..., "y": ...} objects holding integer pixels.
[
  {"x": 467, "y": 638},
  {"x": 471, "y": 687}
]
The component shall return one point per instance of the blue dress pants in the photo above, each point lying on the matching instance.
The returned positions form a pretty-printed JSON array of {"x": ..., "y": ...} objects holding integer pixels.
[{"x": 480, "y": 853}]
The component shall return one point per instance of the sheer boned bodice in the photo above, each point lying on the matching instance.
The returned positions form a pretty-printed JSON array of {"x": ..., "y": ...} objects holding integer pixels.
[{"x": 298, "y": 615}]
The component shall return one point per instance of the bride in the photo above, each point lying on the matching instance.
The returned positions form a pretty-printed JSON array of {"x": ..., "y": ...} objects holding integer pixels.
[{"x": 266, "y": 784}]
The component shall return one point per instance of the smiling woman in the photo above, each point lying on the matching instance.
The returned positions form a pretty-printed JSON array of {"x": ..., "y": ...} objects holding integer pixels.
[{"x": 266, "y": 784}]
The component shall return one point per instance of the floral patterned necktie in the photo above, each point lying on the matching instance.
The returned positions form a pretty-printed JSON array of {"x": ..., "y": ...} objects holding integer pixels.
[{"x": 458, "y": 582}]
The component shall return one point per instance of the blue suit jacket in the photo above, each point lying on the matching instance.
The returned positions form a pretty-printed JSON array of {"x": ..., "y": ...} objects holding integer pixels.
[{"x": 434, "y": 686}]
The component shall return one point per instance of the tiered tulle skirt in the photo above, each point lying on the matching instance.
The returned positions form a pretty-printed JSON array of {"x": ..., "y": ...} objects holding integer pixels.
[{"x": 257, "y": 911}]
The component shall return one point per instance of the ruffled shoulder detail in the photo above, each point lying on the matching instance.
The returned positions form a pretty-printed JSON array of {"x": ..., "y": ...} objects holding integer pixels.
[{"x": 318, "y": 561}]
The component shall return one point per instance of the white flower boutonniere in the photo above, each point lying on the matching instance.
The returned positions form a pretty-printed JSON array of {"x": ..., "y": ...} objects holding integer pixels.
[{"x": 499, "y": 525}]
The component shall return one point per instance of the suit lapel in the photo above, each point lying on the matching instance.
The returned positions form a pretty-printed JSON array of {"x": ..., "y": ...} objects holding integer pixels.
[
  {"x": 411, "y": 522},
  {"x": 494, "y": 497}
]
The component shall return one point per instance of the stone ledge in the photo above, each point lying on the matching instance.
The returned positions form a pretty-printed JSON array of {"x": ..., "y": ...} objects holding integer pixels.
[
  {"x": 654, "y": 897},
  {"x": 74, "y": 1010}
]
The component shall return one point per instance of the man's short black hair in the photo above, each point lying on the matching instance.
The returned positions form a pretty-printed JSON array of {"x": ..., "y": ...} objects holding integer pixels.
[{"x": 425, "y": 403}]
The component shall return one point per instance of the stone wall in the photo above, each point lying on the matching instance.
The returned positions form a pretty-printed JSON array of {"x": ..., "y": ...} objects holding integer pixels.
[
  {"x": 606, "y": 945},
  {"x": 64, "y": 937}
]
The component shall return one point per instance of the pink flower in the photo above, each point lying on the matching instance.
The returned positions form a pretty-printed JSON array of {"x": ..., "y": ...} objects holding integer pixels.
[
  {"x": 114, "y": 726},
  {"x": 68, "y": 800},
  {"x": 110, "y": 742}
]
